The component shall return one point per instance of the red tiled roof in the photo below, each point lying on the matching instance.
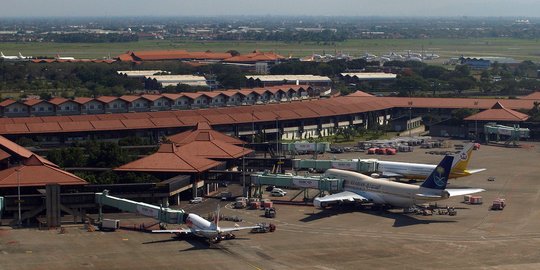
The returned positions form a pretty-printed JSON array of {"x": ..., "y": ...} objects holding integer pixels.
[
  {"x": 82, "y": 100},
  {"x": 130, "y": 98},
  {"x": 7, "y": 102},
  {"x": 106, "y": 99},
  {"x": 152, "y": 97},
  {"x": 360, "y": 94},
  {"x": 242, "y": 114},
  {"x": 58, "y": 100},
  {"x": 16, "y": 149},
  {"x": 126, "y": 57},
  {"x": 4, "y": 154},
  {"x": 44, "y": 127},
  {"x": 205, "y": 145},
  {"x": 255, "y": 57},
  {"x": 190, "y": 136},
  {"x": 498, "y": 113},
  {"x": 169, "y": 158},
  {"x": 533, "y": 95},
  {"x": 34, "y": 172},
  {"x": 33, "y": 101},
  {"x": 450, "y": 103}
]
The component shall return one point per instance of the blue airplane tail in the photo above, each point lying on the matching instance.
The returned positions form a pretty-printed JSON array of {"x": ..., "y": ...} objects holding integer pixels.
[{"x": 439, "y": 177}]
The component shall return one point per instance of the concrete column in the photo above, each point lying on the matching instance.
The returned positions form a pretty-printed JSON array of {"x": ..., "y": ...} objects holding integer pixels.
[
  {"x": 178, "y": 198},
  {"x": 165, "y": 202},
  {"x": 52, "y": 202},
  {"x": 194, "y": 188}
]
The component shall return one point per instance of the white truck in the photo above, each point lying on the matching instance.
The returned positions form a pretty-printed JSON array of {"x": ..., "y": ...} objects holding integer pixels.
[{"x": 109, "y": 224}]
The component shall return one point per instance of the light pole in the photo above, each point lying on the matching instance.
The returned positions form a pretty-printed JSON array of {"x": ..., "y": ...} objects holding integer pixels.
[
  {"x": 476, "y": 125},
  {"x": 244, "y": 191},
  {"x": 252, "y": 127},
  {"x": 277, "y": 136},
  {"x": 19, "y": 221},
  {"x": 409, "y": 126}
]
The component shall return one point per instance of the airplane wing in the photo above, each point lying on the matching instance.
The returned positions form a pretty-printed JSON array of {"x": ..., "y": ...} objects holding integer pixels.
[
  {"x": 463, "y": 191},
  {"x": 391, "y": 175},
  {"x": 173, "y": 231},
  {"x": 345, "y": 196},
  {"x": 232, "y": 229}
]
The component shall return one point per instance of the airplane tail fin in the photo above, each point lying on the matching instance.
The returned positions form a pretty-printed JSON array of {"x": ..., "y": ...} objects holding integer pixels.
[
  {"x": 2, "y": 54},
  {"x": 20, "y": 55},
  {"x": 439, "y": 177},
  {"x": 215, "y": 222},
  {"x": 461, "y": 159}
]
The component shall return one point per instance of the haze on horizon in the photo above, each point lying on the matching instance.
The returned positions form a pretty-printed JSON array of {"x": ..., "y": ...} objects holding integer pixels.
[{"x": 410, "y": 8}]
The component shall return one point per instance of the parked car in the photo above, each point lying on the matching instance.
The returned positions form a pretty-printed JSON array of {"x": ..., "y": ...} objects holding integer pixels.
[
  {"x": 196, "y": 200},
  {"x": 278, "y": 193},
  {"x": 270, "y": 188}
]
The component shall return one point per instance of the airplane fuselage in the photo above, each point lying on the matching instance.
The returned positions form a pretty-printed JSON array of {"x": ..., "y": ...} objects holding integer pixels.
[
  {"x": 385, "y": 192},
  {"x": 201, "y": 227},
  {"x": 414, "y": 170}
]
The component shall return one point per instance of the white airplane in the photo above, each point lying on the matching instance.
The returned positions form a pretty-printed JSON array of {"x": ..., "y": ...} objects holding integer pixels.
[
  {"x": 392, "y": 56},
  {"x": 203, "y": 228},
  {"x": 430, "y": 56},
  {"x": 58, "y": 57},
  {"x": 369, "y": 57},
  {"x": 2, "y": 56},
  {"x": 21, "y": 57},
  {"x": 394, "y": 169},
  {"x": 362, "y": 188}
]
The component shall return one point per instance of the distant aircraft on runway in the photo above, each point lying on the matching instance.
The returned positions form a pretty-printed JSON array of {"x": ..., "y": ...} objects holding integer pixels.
[
  {"x": 364, "y": 189},
  {"x": 206, "y": 229},
  {"x": 14, "y": 58},
  {"x": 58, "y": 57}
]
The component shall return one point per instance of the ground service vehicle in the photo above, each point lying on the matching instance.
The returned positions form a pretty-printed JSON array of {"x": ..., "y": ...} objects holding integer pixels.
[
  {"x": 196, "y": 200},
  {"x": 264, "y": 228},
  {"x": 270, "y": 212}
]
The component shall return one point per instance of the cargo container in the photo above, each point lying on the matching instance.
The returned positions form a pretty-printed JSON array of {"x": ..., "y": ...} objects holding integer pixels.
[
  {"x": 255, "y": 205},
  {"x": 268, "y": 204},
  {"x": 498, "y": 204},
  {"x": 475, "y": 200},
  {"x": 109, "y": 224}
]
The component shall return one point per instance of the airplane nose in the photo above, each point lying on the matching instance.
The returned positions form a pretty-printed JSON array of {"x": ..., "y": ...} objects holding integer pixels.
[{"x": 317, "y": 202}]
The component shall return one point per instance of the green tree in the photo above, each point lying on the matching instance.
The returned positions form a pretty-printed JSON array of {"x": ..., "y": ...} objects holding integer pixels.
[
  {"x": 462, "y": 84},
  {"x": 409, "y": 85}
]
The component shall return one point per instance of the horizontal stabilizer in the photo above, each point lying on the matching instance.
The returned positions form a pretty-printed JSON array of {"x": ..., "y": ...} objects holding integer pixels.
[
  {"x": 463, "y": 191},
  {"x": 475, "y": 170},
  {"x": 172, "y": 231},
  {"x": 429, "y": 196},
  {"x": 233, "y": 229}
]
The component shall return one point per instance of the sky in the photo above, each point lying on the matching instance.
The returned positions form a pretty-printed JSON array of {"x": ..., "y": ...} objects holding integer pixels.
[{"x": 414, "y": 8}]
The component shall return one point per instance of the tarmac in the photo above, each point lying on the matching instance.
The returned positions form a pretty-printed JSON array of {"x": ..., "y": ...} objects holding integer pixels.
[{"x": 336, "y": 238}]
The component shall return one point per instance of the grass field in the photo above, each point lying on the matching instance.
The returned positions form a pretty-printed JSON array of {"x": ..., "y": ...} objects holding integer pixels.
[{"x": 516, "y": 48}]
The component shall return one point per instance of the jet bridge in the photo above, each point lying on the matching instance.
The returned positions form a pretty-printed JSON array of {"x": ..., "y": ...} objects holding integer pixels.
[
  {"x": 511, "y": 135},
  {"x": 323, "y": 184},
  {"x": 165, "y": 215}
]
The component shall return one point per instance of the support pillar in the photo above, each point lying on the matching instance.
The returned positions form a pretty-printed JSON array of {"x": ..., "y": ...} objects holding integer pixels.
[{"x": 52, "y": 203}]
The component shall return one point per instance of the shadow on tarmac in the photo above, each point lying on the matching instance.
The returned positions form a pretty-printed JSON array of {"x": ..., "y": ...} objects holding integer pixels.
[{"x": 400, "y": 219}]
